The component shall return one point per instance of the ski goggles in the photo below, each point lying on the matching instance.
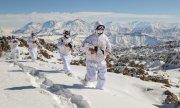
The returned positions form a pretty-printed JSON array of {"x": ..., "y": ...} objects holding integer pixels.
[
  {"x": 66, "y": 33},
  {"x": 66, "y": 36},
  {"x": 100, "y": 27}
]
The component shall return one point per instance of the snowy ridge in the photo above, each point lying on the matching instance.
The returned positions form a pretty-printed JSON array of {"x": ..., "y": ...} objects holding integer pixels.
[
  {"x": 77, "y": 26},
  {"x": 47, "y": 27}
]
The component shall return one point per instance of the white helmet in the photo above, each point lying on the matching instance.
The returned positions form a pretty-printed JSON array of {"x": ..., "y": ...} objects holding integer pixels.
[
  {"x": 99, "y": 27},
  {"x": 98, "y": 24}
]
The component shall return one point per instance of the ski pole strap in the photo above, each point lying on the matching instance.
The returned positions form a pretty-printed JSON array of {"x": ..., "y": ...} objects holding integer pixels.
[
  {"x": 102, "y": 51},
  {"x": 96, "y": 49}
]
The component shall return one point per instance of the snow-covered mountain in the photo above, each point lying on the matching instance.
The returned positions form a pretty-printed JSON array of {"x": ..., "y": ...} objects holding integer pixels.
[
  {"x": 132, "y": 39},
  {"x": 48, "y": 28},
  {"x": 28, "y": 28},
  {"x": 161, "y": 30},
  {"x": 77, "y": 26},
  {"x": 128, "y": 34}
]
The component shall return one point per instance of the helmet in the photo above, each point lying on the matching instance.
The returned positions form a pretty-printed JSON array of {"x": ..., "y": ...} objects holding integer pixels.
[{"x": 98, "y": 23}]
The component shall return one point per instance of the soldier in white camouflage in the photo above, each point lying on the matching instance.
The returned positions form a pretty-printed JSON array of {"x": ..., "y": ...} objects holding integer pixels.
[
  {"x": 65, "y": 46},
  {"x": 15, "y": 51},
  {"x": 33, "y": 43},
  {"x": 97, "y": 46}
]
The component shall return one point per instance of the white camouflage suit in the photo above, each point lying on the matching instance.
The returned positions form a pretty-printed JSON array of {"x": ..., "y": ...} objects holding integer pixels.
[
  {"x": 65, "y": 53},
  {"x": 95, "y": 63},
  {"x": 33, "y": 47},
  {"x": 15, "y": 52}
]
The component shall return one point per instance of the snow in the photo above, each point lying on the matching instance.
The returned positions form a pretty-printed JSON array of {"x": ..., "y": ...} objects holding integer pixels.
[
  {"x": 18, "y": 92},
  {"x": 22, "y": 88},
  {"x": 26, "y": 84},
  {"x": 112, "y": 89}
]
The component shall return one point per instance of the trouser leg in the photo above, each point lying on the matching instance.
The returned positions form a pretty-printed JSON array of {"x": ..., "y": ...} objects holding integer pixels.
[
  {"x": 66, "y": 63},
  {"x": 91, "y": 67},
  {"x": 102, "y": 69},
  {"x": 33, "y": 53}
]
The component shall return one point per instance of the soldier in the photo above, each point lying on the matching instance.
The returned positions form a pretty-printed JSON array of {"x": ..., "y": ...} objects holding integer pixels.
[
  {"x": 65, "y": 46},
  {"x": 33, "y": 43},
  {"x": 97, "y": 46},
  {"x": 15, "y": 52}
]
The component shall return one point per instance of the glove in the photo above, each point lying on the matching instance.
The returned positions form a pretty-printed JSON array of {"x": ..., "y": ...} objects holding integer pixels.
[
  {"x": 96, "y": 49},
  {"x": 69, "y": 45},
  {"x": 92, "y": 50},
  {"x": 102, "y": 51},
  {"x": 34, "y": 41}
]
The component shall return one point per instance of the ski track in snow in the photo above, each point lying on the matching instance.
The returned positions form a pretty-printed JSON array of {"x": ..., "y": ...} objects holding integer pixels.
[{"x": 57, "y": 92}]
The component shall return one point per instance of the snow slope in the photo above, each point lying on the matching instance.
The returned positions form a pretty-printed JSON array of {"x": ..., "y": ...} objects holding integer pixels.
[
  {"x": 17, "y": 90},
  {"x": 26, "y": 84},
  {"x": 120, "y": 91}
]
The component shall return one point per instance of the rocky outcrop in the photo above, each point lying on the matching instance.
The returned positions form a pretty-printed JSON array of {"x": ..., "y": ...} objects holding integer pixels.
[
  {"x": 49, "y": 46},
  {"x": 79, "y": 62},
  {"x": 23, "y": 43},
  {"x": 171, "y": 98},
  {"x": 4, "y": 44},
  {"x": 45, "y": 54},
  {"x": 159, "y": 79},
  {"x": 1, "y": 51},
  {"x": 4, "y": 47}
]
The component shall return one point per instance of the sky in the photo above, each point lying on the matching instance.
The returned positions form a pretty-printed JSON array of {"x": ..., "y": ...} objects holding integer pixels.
[
  {"x": 17, "y": 13},
  {"x": 170, "y": 7}
]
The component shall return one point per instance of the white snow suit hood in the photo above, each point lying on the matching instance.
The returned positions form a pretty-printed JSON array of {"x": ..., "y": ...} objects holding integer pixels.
[{"x": 101, "y": 42}]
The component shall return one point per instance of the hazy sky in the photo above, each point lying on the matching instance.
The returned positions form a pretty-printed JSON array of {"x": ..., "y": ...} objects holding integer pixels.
[
  {"x": 171, "y": 7},
  {"x": 19, "y": 12}
]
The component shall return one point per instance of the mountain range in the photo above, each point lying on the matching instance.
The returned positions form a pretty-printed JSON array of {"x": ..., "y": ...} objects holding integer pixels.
[{"x": 127, "y": 34}]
